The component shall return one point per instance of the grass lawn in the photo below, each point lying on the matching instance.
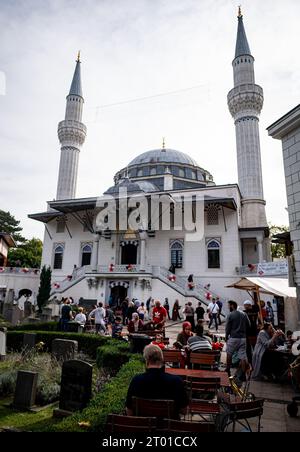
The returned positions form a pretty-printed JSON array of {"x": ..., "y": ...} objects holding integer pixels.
[{"x": 25, "y": 421}]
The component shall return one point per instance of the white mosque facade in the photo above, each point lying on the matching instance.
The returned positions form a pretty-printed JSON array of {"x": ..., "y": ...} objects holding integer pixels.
[{"x": 95, "y": 261}]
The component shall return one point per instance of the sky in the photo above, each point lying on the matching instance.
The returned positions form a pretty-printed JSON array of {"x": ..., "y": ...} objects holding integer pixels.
[{"x": 150, "y": 69}]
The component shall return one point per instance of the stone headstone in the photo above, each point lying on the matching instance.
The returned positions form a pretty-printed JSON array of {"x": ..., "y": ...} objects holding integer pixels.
[
  {"x": 76, "y": 385},
  {"x": 29, "y": 340},
  {"x": 46, "y": 315},
  {"x": 25, "y": 392},
  {"x": 27, "y": 308},
  {"x": 3, "y": 331},
  {"x": 64, "y": 349},
  {"x": 12, "y": 313}
]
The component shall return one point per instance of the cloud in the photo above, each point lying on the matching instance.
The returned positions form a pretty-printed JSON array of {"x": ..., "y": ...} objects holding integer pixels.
[{"x": 136, "y": 49}]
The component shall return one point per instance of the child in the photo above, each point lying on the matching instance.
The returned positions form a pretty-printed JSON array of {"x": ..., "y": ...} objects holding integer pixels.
[{"x": 117, "y": 329}]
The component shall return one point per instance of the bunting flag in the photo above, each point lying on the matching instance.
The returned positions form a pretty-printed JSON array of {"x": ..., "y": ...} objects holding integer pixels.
[
  {"x": 119, "y": 283},
  {"x": 129, "y": 242}
]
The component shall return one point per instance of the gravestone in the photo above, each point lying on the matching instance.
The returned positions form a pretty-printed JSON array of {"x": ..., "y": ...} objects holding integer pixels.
[
  {"x": 76, "y": 386},
  {"x": 29, "y": 340},
  {"x": 46, "y": 314},
  {"x": 3, "y": 331},
  {"x": 25, "y": 392},
  {"x": 64, "y": 349},
  {"x": 12, "y": 313},
  {"x": 27, "y": 308}
]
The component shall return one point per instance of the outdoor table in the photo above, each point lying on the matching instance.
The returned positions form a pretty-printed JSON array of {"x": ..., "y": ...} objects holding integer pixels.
[{"x": 224, "y": 380}]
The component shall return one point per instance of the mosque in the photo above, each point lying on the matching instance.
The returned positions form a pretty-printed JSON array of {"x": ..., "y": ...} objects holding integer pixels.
[{"x": 132, "y": 241}]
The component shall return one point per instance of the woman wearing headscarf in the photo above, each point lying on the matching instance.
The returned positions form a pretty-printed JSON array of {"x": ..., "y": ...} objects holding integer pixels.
[
  {"x": 175, "y": 311},
  {"x": 185, "y": 334},
  {"x": 262, "y": 362}
]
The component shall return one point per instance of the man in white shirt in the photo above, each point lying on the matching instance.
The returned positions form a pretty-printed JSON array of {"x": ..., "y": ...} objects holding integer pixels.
[
  {"x": 99, "y": 315},
  {"x": 213, "y": 311}
]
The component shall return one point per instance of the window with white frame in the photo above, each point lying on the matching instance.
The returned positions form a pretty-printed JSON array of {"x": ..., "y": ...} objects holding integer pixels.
[
  {"x": 213, "y": 254},
  {"x": 58, "y": 257},
  {"x": 86, "y": 254},
  {"x": 176, "y": 249}
]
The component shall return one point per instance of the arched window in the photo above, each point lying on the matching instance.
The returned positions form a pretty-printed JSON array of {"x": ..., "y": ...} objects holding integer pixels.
[
  {"x": 153, "y": 171},
  {"x": 139, "y": 173},
  {"x": 176, "y": 254},
  {"x": 58, "y": 257},
  {"x": 213, "y": 254},
  {"x": 86, "y": 255}
]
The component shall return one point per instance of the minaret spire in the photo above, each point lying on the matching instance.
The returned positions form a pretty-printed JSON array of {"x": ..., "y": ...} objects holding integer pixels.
[
  {"x": 71, "y": 134},
  {"x": 245, "y": 103}
]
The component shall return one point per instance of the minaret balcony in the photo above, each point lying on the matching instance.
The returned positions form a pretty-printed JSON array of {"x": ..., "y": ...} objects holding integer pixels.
[
  {"x": 248, "y": 99},
  {"x": 71, "y": 133}
]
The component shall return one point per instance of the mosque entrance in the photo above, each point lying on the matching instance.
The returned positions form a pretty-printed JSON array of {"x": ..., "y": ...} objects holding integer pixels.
[
  {"x": 129, "y": 254},
  {"x": 118, "y": 294}
]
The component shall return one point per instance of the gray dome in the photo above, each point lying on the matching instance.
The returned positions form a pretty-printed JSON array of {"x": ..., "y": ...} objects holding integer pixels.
[{"x": 163, "y": 155}]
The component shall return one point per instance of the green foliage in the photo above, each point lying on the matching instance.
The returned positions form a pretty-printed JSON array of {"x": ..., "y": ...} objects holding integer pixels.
[
  {"x": 110, "y": 400},
  {"x": 87, "y": 343},
  {"x": 38, "y": 326},
  {"x": 10, "y": 225},
  {"x": 49, "y": 370},
  {"x": 277, "y": 249},
  {"x": 45, "y": 287},
  {"x": 7, "y": 382},
  {"x": 113, "y": 356},
  {"x": 29, "y": 254}
]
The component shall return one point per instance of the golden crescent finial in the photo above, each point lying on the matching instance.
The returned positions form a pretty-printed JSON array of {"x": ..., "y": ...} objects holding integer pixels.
[
  {"x": 78, "y": 57},
  {"x": 240, "y": 11}
]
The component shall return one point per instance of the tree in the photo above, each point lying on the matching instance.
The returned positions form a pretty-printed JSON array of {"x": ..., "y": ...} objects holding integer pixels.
[
  {"x": 45, "y": 287},
  {"x": 29, "y": 254},
  {"x": 277, "y": 249},
  {"x": 10, "y": 225}
]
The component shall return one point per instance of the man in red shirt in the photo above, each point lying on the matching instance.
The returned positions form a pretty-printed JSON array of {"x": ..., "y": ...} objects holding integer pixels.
[{"x": 159, "y": 315}]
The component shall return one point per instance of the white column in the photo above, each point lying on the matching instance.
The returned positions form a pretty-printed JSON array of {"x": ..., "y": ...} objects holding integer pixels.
[
  {"x": 143, "y": 250},
  {"x": 260, "y": 249},
  {"x": 95, "y": 252}
]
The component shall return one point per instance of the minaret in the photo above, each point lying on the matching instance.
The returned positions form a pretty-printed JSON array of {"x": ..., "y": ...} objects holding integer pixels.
[
  {"x": 71, "y": 134},
  {"x": 245, "y": 102}
]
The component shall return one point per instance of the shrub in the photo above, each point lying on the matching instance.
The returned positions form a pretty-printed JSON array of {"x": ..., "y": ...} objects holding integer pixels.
[
  {"x": 8, "y": 382},
  {"x": 39, "y": 326},
  {"x": 87, "y": 343},
  {"x": 110, "y": 400},
  {"x": 113, "y": 356}
]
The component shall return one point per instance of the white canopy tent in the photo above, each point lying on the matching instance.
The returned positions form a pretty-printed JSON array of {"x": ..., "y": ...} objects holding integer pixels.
[{"x": 276, "y": 287}]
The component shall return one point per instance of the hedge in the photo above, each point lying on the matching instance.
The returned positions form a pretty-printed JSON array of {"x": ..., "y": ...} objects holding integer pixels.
[
  {"x": 110, "y": 400},
  {"x": 87, "y": 343},
  {"x": 113, "y": 355},
  {"x": 39, "y": 326}
]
